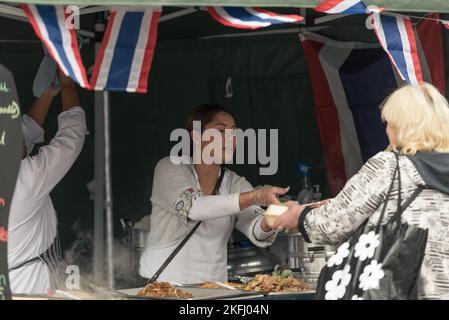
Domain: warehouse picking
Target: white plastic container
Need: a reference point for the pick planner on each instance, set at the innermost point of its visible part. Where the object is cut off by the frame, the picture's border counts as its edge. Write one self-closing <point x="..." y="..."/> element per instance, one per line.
<point x="273" y="212"/>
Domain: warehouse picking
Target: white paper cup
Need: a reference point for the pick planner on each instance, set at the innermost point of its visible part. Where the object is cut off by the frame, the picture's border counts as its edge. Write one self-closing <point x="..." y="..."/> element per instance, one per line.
<point x="273" y="212"/>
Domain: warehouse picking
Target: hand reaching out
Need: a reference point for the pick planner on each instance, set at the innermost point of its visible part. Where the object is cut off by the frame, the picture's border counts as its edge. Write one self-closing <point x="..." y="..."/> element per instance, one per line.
<point x="267" y="195"/>
<point x="289" y="219"/>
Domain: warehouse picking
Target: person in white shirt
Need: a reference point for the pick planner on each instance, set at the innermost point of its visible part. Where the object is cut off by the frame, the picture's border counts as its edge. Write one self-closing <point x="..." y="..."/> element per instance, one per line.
<point x="33" y="244"/>
<point x="184" y="194"/>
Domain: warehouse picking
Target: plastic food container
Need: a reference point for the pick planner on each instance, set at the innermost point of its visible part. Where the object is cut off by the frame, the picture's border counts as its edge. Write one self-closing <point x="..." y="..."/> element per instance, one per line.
<point x="273" y="212"/>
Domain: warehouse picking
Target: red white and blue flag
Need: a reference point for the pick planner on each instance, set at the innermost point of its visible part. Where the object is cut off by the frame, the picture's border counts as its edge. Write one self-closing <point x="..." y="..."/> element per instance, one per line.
<point x="397" y="38"/>
<point x="124" y="60"/>
<point x="349" y="81"/>
<point x="430" y="43"/>
<point x="344" y="7"/>
<point x="250" y="18"/>
<point x="49" y="24"/>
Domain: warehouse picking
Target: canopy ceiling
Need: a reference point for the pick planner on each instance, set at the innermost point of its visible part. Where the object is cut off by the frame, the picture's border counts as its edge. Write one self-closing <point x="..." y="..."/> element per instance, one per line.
<point x="392" y="5"/>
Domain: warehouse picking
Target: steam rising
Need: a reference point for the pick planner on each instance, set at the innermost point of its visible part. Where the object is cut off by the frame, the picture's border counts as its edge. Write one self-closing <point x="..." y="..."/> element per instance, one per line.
<point x="81" y="255"/>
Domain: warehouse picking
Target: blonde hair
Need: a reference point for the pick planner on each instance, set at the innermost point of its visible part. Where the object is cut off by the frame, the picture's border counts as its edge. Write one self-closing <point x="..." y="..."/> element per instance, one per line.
<point x="419" y="115"/>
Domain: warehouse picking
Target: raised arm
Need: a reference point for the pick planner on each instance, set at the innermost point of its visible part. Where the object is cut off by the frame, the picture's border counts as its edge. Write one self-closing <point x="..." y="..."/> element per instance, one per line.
<point x="69" y="95"/>
<point x="33" y="121"/>
<point x="53" y="161"/>
<point x="39" y="109"/>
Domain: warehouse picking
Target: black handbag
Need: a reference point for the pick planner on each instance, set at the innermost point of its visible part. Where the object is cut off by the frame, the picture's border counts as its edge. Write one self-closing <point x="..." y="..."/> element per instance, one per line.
<point x="380" y="262"/>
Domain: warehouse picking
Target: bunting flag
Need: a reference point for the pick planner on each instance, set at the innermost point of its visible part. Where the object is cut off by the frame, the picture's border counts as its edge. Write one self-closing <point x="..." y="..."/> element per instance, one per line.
<point x="349" y="81"/>
<point x="250" y="18"/>
<point x="397" y="38"/>
<point x="124" y="60"/>
<point x="49" y="24"/>
<point x="345" y="7"/>
<point x="431" y="51"/>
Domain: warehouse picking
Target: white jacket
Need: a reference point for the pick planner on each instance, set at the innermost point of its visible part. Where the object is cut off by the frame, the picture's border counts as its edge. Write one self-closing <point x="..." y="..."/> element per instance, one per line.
<point x="32" y="220"/>
<point x="204" y="256"/>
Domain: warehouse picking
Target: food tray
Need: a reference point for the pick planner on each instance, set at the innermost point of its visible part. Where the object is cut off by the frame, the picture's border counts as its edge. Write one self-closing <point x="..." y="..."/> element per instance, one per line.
<point x="198" y="293"/>
<point x="303" y="295"/>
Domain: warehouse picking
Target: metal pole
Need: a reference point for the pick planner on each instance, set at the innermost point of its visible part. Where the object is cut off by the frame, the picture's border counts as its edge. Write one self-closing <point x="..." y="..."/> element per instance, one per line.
<point x="108" y="185"/>
<point x="99" y="172"/>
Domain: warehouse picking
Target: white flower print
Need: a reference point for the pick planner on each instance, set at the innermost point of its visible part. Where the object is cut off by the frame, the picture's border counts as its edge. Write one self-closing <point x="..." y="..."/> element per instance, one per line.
<point x="336" y="287"/>
<point x="372" y="274"/>
<point x="356" y="297"/>
<point x="339" y="256"/>
<point x="366" y="246"/>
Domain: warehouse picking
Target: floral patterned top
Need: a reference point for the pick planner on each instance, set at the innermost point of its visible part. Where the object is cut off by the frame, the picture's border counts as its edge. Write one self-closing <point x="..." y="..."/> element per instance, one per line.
<point x="362" y="198"/>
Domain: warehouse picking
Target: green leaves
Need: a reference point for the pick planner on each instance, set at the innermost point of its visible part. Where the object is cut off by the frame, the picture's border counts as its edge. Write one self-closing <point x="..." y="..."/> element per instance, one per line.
<point x="282" y="273"/>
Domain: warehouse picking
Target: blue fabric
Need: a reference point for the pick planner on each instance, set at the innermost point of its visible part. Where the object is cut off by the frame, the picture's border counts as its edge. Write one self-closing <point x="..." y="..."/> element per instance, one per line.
<point x="394" y="43"/>
<point x="367" y="77"/>
<point x="48" y="15"/>
<point x="358" y="8"/>
<point x="244" y="15"/>
<point x="124" y="51"/>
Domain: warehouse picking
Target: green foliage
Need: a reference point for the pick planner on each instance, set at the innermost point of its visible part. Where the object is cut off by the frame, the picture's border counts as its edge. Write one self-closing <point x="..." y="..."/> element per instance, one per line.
<point x="283" y="273"/>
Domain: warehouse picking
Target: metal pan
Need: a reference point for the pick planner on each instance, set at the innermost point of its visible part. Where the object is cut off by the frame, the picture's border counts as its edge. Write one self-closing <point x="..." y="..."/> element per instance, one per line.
<point x="198" y="293"/>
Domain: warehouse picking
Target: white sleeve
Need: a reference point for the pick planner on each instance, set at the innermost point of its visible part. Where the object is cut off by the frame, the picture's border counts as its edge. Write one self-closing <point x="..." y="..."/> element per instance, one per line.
<point x="53" y="161"/>
<point x="258" y="233"/>
<point x="174" y="190"/>
<point x="249" y="219"/>
<point x="213" y="207"/>
<point x="32" y="133"/>
<point x="248" y="222"/>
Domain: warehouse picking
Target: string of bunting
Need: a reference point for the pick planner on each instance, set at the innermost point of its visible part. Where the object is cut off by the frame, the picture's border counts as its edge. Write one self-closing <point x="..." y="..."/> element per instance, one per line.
<point x="117" y="68"/>
<point x="394" y="32"/>
<point x="358" y="7"/>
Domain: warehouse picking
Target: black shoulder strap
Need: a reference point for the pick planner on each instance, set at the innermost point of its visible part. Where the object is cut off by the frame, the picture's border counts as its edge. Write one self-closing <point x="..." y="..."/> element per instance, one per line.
<point x="219" y="181"/>
<point x="415" y="194"/>
<point x="400" y="209"/>
<point x="184" y="241"/>
<point x="387" y="198"/>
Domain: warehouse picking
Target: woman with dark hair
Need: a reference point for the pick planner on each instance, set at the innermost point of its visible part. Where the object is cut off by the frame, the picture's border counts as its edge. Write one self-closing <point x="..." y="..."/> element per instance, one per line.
<point x="185" y="194"/>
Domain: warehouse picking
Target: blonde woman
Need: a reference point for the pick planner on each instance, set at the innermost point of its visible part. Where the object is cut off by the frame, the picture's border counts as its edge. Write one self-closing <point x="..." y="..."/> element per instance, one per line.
<point x="417" y="119"/>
